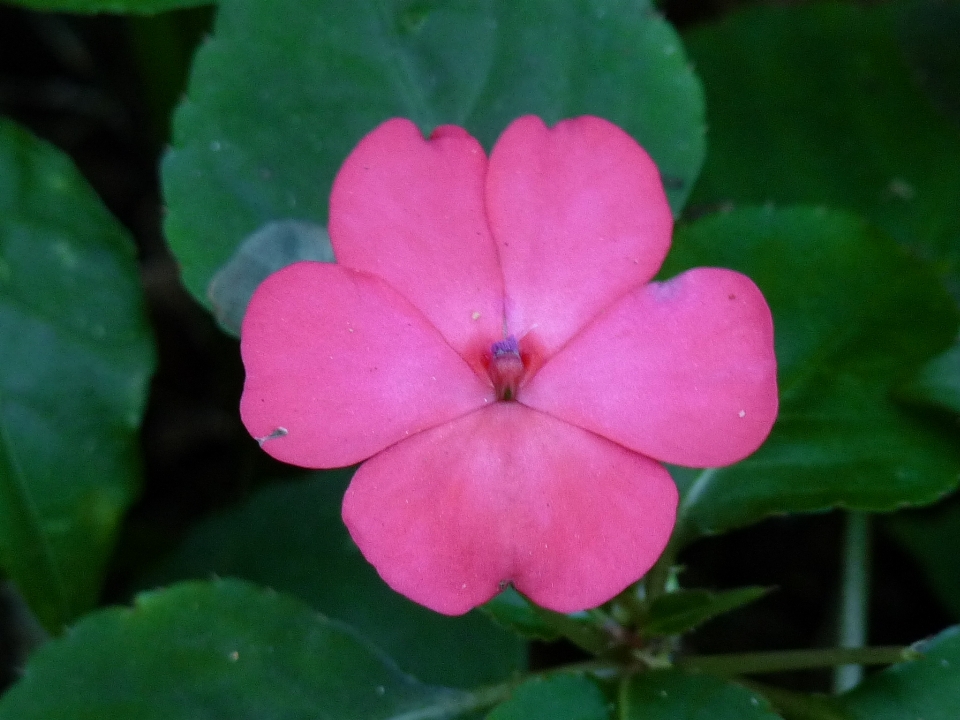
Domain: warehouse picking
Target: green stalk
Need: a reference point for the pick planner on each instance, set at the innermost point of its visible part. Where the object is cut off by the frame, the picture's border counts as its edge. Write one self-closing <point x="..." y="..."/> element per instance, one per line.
<point x="779" y="661"/>
<point x="854" y="597"/>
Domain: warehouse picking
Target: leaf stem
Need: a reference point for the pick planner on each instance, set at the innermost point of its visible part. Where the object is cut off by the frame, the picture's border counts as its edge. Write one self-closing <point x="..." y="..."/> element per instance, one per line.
<point x="781" y="660"/>
<point x="854" y="597"/>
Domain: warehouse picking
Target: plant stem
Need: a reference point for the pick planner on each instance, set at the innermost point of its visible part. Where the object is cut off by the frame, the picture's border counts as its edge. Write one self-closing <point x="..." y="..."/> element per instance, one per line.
<point x="854" y="597"/>
<point x="777" y="661"/>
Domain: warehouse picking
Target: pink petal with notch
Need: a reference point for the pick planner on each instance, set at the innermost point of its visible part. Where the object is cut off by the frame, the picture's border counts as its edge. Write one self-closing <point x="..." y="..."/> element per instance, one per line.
<point x="580" y="217"/>
<point x="683" y="371"/>
<point x="508" y="494"/>
<point x="339" y="366"/>
<point x="411" y="211"/>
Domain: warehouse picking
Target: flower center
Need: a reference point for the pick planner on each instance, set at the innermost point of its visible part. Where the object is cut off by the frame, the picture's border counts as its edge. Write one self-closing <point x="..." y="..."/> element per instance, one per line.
<point x="506" y="367"/>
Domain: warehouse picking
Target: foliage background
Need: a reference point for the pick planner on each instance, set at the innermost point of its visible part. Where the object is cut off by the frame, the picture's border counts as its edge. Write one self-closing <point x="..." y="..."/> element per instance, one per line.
<point x="103" y="88"/>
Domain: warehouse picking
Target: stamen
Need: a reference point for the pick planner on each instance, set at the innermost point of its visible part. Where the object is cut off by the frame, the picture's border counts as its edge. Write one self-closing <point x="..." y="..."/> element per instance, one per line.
<point x="507" y="346"/>
<point x="506" y="367"/>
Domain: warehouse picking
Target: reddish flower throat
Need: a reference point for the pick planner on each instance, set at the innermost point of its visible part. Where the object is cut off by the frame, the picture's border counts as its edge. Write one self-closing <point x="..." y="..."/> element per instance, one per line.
<point x="506" y="367"/>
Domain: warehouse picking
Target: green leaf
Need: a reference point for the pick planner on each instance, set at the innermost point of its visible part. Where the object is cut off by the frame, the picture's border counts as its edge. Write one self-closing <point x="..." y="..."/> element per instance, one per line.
<point x="927" y="689"/>
<point x="844" y="126"/>
<point x="138" y="7"/>
<point x="938" y="382"/>
<point x="570" y="697"/>
<point x="853" y="315"/>
<point x="285" y="89"/>
<point x="674" y="695"/>
<point x="272" y="247"/>
<point x="512" y="610"/>
<point x="290" y="537"/>
<point x="75" y="359"/>
<point x="216" y="650"/>
<point x="683" y="610"/>
<point x="932" y="535"/>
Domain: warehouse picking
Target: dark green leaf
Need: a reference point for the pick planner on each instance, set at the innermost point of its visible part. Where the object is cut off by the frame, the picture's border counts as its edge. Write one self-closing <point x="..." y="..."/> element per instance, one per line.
<point x="932" y="535"/>
<point x="566" y="697"/>
<point x="853" y="316"/>
<point x="219" y="650"/>
<point x="272" y="247"/>
<point x="674" y="695"/>
<point x="683" y="610"/>
<point x="513" y="611"/>
<point x="75" y="360"/>
<point x="816" y="104"/>
<point x="139" y="7"/>
<point x="285" y="89"/>
<point x="938" y="382"/>
<point x="925" y="689"/>
<point x="290" y="537"/>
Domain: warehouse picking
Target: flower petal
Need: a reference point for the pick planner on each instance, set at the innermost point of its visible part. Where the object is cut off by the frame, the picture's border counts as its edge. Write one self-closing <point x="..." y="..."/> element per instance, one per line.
<point x="340" y="366"/>
<point x="580" y="217"/>
<point x="683" y="371"/>
<point x="411" y="211"/>
<point x="507" y="494"/>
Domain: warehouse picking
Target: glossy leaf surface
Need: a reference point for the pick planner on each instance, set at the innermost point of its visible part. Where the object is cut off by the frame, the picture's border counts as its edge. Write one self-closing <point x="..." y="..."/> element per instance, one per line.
<point x="285" y="89"/>
<point x="673" y="695"/>
<point x="76" y="355"/>
<point x="571" y="697"/>
<point x="216" y="650"/>
<point x="290" y="537"/>
<point x="853" y="315"/>
<point x="817" y="104"/>
<point x="927" y="688"/>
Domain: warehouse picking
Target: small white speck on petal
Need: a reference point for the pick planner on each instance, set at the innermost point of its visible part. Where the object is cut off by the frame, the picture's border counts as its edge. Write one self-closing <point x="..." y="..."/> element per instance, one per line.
<point x="476" y="315"/>
<point x="742" y="413"/>
<point x="277" y="433"/>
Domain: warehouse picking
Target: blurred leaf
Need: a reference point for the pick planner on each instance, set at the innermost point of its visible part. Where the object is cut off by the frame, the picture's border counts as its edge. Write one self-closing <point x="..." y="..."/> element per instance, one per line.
<point x="925" y="689"/>
<point x="512" y="610"/>
<point x="933" y="536"/>
<point x="928" y="31"/>
<point x="75" y="360"/>
<point x="683" y="610"/>
<point x="285" y="89"/>
<point x="272" y="247"/>
<point x="853" y="315"/>
<point x="290" y="537"/>
<point x="215" y="650"/>
<point x="938" y="382"/>
<point x="139" y="7"/>
<point x="816" y="104"/>
<point x="561" y="697"/>
<point x="674" y="695"/>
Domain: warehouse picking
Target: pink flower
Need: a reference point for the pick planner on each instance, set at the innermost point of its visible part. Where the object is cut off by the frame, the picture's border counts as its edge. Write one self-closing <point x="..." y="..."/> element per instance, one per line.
<point x="490" y="344"/>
